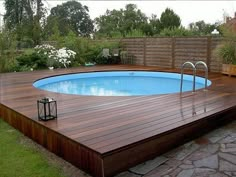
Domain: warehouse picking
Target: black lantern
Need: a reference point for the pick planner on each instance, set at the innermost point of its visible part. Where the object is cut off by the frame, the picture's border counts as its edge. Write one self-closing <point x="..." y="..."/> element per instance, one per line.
<point x="47" y="109"/>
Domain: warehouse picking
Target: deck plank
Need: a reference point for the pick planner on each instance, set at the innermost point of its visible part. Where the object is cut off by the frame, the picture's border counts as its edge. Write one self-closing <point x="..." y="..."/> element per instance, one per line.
<point x="96" y="126"/>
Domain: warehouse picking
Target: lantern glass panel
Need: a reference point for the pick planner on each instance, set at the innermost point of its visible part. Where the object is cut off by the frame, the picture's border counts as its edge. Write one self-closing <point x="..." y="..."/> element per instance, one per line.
<point x="47" y="109"/>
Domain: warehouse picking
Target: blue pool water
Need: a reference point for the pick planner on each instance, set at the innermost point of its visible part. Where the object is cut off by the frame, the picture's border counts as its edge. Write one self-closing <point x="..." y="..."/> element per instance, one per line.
<point x="119" y="83"/>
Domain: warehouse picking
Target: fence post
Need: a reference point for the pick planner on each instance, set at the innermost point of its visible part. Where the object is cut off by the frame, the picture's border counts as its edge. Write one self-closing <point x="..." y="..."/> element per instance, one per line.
<point x="144" y="51"/>
<point x="208" y="62"/>
<point x="173" y="52"/>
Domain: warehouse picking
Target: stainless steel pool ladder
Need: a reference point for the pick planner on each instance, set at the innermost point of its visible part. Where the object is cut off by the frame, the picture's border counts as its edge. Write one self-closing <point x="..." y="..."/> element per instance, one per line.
<point x="194" y="73"/>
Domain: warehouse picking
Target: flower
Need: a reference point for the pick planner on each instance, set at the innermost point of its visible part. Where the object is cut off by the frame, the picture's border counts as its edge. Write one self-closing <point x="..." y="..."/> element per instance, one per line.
<point x="63" y="56"/>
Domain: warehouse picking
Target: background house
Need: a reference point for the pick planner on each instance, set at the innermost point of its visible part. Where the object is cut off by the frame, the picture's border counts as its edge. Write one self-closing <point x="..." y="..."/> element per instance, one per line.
<point x="231" y="22"/>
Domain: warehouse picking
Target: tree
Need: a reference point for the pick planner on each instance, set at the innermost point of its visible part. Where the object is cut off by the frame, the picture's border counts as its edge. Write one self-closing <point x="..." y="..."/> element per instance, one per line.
<point x="22" y="16"/>
<point x="202" y="28"/>
<point x="133" y="18"/>
<point x="155" y="24"/>
<point x="147" y="29"/>
<point x="51" y="29"/>
<point x="123" y="21"/>
<point x="169" y="19"/>
<point x="180" y="31"/>
<point x="110" y="23"/>
<point x="72" y="16"/>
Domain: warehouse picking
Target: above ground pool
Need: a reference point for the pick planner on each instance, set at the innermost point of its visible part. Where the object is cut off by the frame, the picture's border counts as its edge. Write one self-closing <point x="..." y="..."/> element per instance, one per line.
<point x="119" y="83"/>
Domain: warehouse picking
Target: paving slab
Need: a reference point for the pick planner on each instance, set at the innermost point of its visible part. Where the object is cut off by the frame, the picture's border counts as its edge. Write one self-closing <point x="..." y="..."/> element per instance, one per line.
<point x="229" y="157"/>
<point x="210" y="162"/>
<point x="186" y="173"/>
<point x="203" y="171"/>
<point x="212" y="155"/>
<point x="148" y="166"/>
<point x="227" y="166"/>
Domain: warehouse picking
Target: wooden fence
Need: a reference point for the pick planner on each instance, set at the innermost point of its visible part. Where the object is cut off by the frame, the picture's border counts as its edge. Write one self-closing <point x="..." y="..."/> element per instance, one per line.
<point x="172" y="52"/>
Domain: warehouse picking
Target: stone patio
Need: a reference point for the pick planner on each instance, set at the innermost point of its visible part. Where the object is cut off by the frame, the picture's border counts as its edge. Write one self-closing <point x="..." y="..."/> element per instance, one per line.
<point x="212" y="155"/>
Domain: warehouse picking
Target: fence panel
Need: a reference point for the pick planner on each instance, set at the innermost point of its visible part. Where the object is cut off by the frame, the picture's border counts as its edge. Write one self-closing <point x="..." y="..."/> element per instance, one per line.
<point x="215" y="63"/>
<point x="172" y="52"/>
<point x="135" y="47"/>
<point x="158" y="52"/>
<point x="190" y="49"/>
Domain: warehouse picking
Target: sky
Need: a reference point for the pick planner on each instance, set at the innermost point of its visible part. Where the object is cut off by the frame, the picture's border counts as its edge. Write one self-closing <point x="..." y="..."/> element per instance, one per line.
<point x="188" y="11"/>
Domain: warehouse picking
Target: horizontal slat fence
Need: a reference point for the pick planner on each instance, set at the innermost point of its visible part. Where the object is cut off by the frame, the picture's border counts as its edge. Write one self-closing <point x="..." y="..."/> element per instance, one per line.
<point x="172" y="52"/>
<point x="135" y="47"/>
<point x="158" y="52"/>
<point x="215" y="63"/>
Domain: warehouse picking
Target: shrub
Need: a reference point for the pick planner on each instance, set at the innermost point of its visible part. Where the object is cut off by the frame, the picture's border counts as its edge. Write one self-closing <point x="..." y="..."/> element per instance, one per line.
<point x="227" y="52"/>
<point x="181" y="31"/>
<point x="34" y="60"/>
<point x="8" y="63"/>
<point x="25" y="43"/>
<point x="91" y="50"/>
<point x="62" y="57"/>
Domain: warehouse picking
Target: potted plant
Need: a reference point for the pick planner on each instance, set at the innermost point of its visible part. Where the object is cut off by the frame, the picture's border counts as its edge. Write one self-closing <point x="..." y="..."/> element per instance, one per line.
<point x="226" y="51"/>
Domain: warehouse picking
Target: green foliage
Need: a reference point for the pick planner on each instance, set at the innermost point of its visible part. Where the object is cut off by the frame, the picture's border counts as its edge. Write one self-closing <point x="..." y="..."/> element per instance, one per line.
<point x="131" y="22"/>
<point x="22" y="16"/>
<point x="147" y="29"/>
<point x="133" y="18"/>
<point x="70" y="40"/>
<point x="155" y="25"/>
<point x="169" y="19"/>
<point x="202" y="28"/>
<point x="228" y="33"/>
<point x="110" y="23"/>
<point x="25" y="43"/>
<point x="175" y="32"/>
<point x="71" y="15"/>
<point x="51" y="29"/>
<point x="87" y="50"/>
<point x="135" y="33"/>
<point x="7" y="41"/>
<point x="124" y="21"/>
<point x="34" y="60"/>
<point x="8" y="63"/>
<point x="20" y="158"/>
<point x="36" y="33"/>
<point x="227" y="52"/>
<point x="91" y="51"/>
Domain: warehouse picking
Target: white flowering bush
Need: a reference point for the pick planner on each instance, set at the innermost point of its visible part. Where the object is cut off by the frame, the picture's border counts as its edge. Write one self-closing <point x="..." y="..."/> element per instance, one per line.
<point x="61" y="56"/>
<point x="46" y="48"/>
<point x="64" y="55"/>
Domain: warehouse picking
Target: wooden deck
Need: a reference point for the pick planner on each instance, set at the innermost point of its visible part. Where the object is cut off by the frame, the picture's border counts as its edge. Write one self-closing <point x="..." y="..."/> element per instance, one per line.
<point x="105" y="135"/>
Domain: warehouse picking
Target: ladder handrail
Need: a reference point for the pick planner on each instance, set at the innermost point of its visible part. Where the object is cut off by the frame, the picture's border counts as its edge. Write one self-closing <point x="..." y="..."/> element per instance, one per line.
<point x="206" y="70"/>
<point x="194" y="73"/>
<point x="182" y="73"/>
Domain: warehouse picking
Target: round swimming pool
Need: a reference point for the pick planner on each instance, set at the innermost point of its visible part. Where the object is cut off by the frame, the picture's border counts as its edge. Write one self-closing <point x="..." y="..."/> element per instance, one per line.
<point x="119" y="83"/>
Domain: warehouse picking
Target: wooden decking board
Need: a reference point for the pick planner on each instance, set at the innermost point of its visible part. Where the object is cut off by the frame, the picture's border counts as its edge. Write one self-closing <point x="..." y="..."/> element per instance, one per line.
<point x="156" y="127"/>
<point x="118" y="116"/>
<point x="142" y="125"/>
<point x="143" y="136"/>
<point x="149" y="112"/>
<point x="102" y="111"/>
<point x="92" y="130"/>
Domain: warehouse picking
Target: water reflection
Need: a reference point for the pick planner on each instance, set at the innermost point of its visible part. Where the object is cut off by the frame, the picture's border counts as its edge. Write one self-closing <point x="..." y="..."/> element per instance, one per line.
<point x="119" y="86"/>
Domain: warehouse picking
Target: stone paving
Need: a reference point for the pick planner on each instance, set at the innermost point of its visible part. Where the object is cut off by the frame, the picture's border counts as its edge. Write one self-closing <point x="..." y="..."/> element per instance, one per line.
<point x="212" y="155"/>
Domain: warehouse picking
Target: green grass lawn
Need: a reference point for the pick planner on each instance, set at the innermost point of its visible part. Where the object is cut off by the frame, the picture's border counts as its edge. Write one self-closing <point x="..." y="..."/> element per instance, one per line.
<point x="17" y="159"/>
